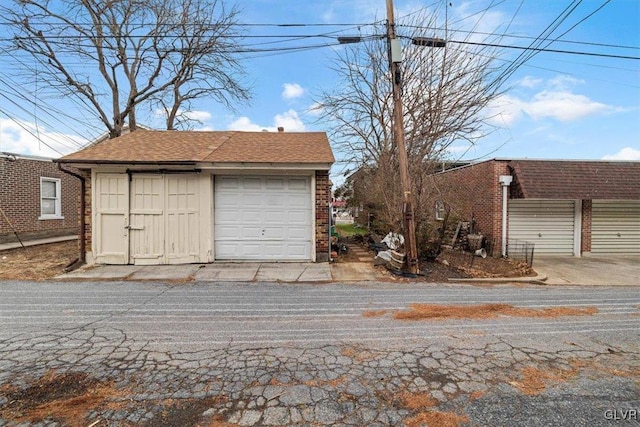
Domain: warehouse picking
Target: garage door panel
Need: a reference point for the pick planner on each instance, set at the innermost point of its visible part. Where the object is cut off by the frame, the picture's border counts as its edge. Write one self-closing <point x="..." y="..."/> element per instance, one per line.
<point x="549" y="224"/>
<point x="275" y="184"/>
<point x="251" y="201"/>
<point x="299" y="184"/>
<point x="275" y="216"/>
<point x="227" y="182"/>
<point x="249" y="216"/>
<point x="615" y="227"/>
<point x="297" y="233"/>
<point x="271" y="233"/>
<point x="276" y="200"/>
<point x="275" y="250"/>
<point x="273" y="223"/>
<point x="298" y="251"/>
<point x="297" y="201"/>
<point x="249" y="233"/>
<point x="299" y="218"/>
<point x="249" y="183"/>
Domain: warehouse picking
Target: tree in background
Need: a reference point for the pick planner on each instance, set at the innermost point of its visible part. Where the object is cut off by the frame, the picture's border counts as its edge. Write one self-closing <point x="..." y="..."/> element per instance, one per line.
<point x="118" y="55"/>
<point x="445" y="95"/>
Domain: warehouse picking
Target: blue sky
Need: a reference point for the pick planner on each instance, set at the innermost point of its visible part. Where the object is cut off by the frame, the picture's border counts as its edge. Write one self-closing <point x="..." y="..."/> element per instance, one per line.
<point x="558" y="106"/>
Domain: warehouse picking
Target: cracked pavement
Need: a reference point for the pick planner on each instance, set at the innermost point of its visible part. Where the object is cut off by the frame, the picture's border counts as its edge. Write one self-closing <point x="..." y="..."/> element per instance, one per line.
<point x="277" y="354"/>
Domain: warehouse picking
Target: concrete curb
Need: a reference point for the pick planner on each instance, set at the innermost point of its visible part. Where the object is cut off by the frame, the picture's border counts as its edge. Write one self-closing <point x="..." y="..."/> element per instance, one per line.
<point x="540" y="279"/>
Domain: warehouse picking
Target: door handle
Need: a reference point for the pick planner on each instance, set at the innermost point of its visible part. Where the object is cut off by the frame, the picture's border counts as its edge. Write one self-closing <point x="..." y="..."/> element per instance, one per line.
<point x="134" y="227"/>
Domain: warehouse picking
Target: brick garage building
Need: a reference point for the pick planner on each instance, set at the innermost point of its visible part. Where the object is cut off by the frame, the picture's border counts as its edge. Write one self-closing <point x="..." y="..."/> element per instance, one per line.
<point x="37" y="199"/>
<point x="564" y="207"/>
<point x="176" y="197"/>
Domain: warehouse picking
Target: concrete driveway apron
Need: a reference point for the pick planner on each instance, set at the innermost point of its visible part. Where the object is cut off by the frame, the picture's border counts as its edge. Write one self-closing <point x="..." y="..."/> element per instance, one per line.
<point x="604" y="271"/>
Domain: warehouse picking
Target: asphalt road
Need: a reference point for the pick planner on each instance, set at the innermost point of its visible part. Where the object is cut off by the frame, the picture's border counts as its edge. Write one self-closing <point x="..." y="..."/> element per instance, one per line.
<point x="198" y="315"/>
<point x="334" y="340"/>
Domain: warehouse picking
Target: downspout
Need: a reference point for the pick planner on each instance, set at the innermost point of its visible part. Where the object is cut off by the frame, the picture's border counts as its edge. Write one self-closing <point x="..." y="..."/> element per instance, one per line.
<point x="82" y="258"/>
<point x="505" y="181"/>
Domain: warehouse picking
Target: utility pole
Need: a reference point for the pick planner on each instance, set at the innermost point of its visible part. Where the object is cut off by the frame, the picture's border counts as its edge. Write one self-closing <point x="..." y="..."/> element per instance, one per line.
<point x="409" y="224"/>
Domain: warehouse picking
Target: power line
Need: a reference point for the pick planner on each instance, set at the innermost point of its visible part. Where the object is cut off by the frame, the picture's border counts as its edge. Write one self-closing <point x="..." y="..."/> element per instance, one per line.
<point x="534" y="49"/>
<point x="503" y="35"/>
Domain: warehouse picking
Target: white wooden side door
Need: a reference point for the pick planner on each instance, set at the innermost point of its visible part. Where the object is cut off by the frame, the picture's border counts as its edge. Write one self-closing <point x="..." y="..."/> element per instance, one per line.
<point x="183" y="219"/>
<point x="146" y="220"/>
<point x="111" y="236"/>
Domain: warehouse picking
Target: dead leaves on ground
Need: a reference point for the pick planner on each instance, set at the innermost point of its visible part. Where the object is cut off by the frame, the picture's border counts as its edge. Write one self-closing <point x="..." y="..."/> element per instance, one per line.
<point x="479" y="311"/>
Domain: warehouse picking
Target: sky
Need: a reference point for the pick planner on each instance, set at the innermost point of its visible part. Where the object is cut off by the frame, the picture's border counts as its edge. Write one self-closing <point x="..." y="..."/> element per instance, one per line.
<point x="557" y="105"/>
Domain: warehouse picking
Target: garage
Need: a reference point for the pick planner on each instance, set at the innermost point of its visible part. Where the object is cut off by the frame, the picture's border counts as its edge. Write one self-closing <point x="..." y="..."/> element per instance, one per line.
<point x="178" y="197"/>
<point x="549" y="224"/>
<point x="615" y="227"/>
<point x="263" y="218"/>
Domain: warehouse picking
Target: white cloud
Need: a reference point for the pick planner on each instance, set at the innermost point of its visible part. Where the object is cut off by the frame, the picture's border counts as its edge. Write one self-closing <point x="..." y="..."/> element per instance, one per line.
<point x="22" y="137"/>
<point x="289" y="120"/>
<point x="200" y="116"/>
<point x="555" y="101"/>
<point x="626" y="153"/>
<point x="562" y="106"/>
<point x="245" y="123"/>
<point x="529" y="82"/>
<point x="292" y="91"/>
<point x="504" y="110"/>
<point x="564" y="82"/>
<point x="196" y="115"/>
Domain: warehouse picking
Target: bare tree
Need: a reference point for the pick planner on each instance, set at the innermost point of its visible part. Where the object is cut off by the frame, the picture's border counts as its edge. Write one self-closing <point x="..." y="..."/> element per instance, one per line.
<point x="117" y="55"/>
<point x="445" y="95"/>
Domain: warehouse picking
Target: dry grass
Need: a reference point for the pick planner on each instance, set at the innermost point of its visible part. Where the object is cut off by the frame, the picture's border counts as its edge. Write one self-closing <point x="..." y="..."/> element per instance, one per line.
<point x="374" y="313"/>
<point x="356" y="353"/>
<point x="485" y="311"/>
<point x="332" y="383"/>
<point x="416" y="400"/>
<point x="534" y="381"/>
<point x="64" y="397"/>
<point x="476" y="395"/>
<point x="40" y="262"/>
<point x="435" y="419"/>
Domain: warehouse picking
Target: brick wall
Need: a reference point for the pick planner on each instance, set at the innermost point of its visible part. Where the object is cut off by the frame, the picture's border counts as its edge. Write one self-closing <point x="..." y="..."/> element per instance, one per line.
<point x="323" y="199"/>
<point x="20" y="199"/>
<point x="474" y="192"/>
<point x="585" y="240"/>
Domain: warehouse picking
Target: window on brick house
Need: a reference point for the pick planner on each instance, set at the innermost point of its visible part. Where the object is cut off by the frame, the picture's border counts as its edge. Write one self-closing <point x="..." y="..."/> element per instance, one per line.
<point x="50" y="202"/>
<point x="440" y="210"/>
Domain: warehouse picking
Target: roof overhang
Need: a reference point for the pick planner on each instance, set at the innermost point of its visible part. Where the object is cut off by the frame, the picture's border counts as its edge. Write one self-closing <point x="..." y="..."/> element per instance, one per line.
<point x="90" y="164"/>
<point x="263" y="166"/>
<point x="83" y="164"/>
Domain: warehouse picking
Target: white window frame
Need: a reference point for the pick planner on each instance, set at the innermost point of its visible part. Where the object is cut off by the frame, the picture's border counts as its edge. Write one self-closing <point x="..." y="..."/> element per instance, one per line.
<point x="440" y="211"/>
<point x="57" y="200"/>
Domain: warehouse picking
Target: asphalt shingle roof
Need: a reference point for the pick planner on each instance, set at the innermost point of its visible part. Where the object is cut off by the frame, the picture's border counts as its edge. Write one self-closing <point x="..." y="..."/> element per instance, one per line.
<point x="577" y="179"/>
<point x="149" y="146"/>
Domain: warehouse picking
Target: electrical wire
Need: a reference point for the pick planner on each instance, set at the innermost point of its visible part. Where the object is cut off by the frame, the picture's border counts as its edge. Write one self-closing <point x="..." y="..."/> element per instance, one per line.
<point x="256" y="49"/>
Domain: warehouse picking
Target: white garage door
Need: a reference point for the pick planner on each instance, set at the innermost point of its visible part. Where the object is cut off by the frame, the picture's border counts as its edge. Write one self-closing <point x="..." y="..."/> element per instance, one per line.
<point x="615" y="227"/>
<point x="549" y="224"/>
<point x="262" y="218"/>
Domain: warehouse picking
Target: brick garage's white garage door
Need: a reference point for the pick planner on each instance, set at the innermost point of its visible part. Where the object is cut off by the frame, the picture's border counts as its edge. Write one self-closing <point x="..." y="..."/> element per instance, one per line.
<point x="549" y="224"/>
<point x="262" y="218"/>
<point x="615" y="227"/>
